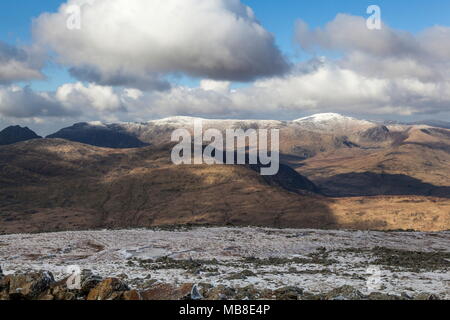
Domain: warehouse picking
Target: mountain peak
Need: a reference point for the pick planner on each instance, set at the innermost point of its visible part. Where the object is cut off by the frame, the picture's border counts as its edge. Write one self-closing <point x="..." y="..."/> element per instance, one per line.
<point x="322" y="117"/>
<point x="14" y="134"/>
<point x="99" y="135"/>
<point x="333" y="122"/>
<point x="177" y="119"/>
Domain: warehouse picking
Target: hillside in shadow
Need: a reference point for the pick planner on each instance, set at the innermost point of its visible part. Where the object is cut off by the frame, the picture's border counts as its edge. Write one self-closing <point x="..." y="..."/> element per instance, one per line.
<point x="372" y="184"/>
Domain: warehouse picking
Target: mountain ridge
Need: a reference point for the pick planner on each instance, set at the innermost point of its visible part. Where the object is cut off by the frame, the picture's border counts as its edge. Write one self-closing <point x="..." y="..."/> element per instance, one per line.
<point x="51" y="185"/>
<point x="14" y="134"/>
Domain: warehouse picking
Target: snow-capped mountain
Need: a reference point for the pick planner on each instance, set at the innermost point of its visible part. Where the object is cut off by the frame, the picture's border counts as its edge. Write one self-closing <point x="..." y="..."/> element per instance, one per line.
<point x="324" y="131"/>
<point x="333" y="122"/>
<point x="325" y="122"/>
<point x="217" y="123"/>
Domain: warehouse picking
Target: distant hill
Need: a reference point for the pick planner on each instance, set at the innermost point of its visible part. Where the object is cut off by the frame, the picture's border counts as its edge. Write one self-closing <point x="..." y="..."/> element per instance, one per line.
<point x="98" y="135"/>
<point x="55" y="185"/>
<point x="431" y="123"/>
<point x="16" y="134"/>
<point x="435" y="123"/>
<point x="342" y="156"/>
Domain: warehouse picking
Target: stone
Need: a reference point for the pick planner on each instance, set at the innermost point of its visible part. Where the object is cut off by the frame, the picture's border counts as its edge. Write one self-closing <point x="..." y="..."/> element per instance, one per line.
<point x="249" y="292"/>
<point x="58" y="291"/>
<point x="195" y="293"/>
<point x="108" y="289"/>
<point x="132" y="295"/>
<point x="384" y="297"/>
<point x="426" y="297"/>
<point x="89" y="281"/>
<point x="288" y="293"/>
<point x="344" y="293"/>
<point x="168" y="292"/>
<point x="2" y="283"/>
<point x="219" y="293"/>
<point x="27" y="287"/>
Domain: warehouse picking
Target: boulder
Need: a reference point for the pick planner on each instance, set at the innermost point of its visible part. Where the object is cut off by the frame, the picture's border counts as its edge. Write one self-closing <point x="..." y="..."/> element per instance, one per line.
<point x="59" y="291"/>
<point x="108" y="289"/>
<point x="26" y="286"/>
<point x="426" y="297"/>
<point x="247" y="293"/>
<point x="219" y="293"/>
<point x="385" y="297"/>
<point x="168" y="292"/>
<point x="288" y="293"/>
<point x="88" y="281"/>
<point x="344" y="293"/>
<point x="132" y="295"/>
<point x="195" y="293"/>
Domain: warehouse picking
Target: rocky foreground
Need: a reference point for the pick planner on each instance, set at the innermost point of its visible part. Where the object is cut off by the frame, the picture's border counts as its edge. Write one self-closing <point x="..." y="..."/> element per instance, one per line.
<point x="42" y="286"/>
<point x="226" y="263"/>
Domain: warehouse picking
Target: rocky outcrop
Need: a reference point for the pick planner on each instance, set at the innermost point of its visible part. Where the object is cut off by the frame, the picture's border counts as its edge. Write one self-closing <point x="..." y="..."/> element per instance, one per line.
<point x="42" y="286"/>
<point x="167" y="292"/>
<point x="59" y="291"/>
<point x="376" y="134"/>
<point x="109" y="289"/>
<point x="89" y="281"/>
<point x="25" y="286"/>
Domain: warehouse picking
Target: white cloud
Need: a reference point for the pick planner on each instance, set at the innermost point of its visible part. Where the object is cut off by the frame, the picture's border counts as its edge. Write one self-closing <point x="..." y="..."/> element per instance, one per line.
<point x="385" y="53"/>
<point x="314" y="87"/>
<point x="319" y="86"/>
<point x="386" y="73"/>
<point x="134" y="94"/>
<point x="218" y="86"/>
<point x="99" y="98"/>
<point x="25" y="103"/>
<point x="19" y="64"/>
<point x="350" y="33"/>
<point x="135" y="42"/>
<point x="69" y="100"/>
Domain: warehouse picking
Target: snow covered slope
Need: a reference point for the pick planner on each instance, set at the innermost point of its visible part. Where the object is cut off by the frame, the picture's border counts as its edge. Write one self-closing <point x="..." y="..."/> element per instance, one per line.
<point x="317" y="261"/>
<point x="333" y="122"/>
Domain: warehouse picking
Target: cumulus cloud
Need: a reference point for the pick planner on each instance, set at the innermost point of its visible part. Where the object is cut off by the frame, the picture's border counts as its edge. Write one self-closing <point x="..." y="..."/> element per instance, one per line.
<point x="25" y="103"/>
<point x="19" y="64"/>
<point x="385" y="53"/>
<point x="139" y="79"/>
<point x="379" y="73"/>
<point x="69" y="100"/>
<point x="218" y="86"/>
<point x="134" y="42"/>
<point x="98" y="98"/>
<point x="314" y="87"/>
<point x="349" y="33"/>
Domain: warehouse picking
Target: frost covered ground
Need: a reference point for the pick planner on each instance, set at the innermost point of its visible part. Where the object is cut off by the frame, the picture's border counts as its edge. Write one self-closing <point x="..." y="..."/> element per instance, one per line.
<point x="316" y="261"/>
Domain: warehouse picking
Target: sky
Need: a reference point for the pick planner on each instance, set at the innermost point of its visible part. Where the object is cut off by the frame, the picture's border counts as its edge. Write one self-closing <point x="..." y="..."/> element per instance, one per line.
<point x="139" y="60"/>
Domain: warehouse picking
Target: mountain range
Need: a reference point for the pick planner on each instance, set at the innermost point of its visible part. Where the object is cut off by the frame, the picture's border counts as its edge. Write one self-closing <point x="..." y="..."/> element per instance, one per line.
<point x="337" y="172"/>
<point x="342" y="155"/>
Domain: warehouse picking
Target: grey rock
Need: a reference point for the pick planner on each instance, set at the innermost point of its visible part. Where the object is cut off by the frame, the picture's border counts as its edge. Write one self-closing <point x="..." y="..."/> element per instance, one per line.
<point x="195" y="293"/>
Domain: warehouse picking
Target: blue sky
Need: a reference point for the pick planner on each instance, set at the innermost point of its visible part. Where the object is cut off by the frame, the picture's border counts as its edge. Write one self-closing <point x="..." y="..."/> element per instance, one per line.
<point x="410" y="15"/>
<point x="277" y="17"/>
<point x="170" y="67"/>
